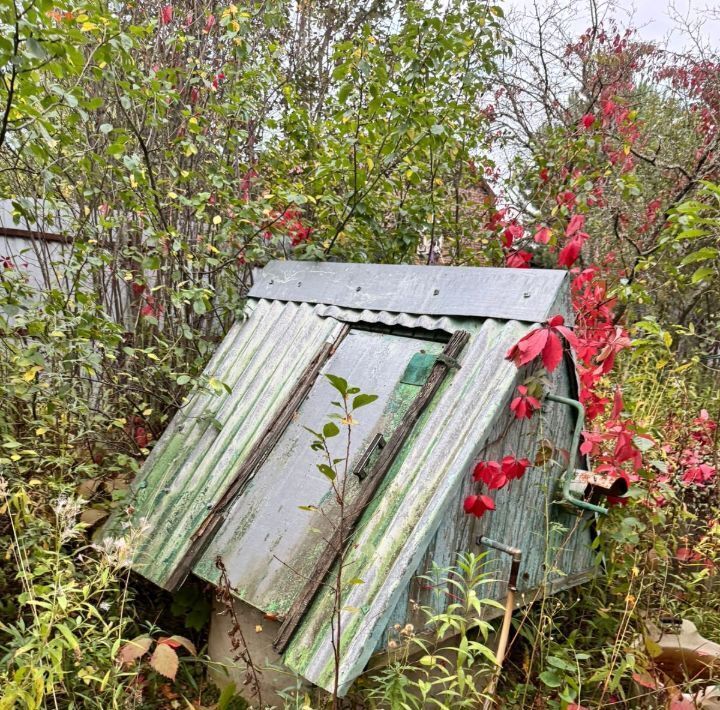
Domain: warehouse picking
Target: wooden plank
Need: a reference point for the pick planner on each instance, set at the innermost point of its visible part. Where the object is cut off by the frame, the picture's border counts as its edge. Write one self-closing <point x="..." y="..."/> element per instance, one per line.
<point x="30" y="234"/>
<point x="40" y="229"/>
<point x="528" y="295"/>
<point x="370" y="485"/>
<point x="207" y="529"/>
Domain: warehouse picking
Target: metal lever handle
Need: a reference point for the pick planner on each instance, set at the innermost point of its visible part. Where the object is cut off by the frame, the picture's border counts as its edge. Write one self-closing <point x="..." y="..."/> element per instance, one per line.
<point x="378" y="443"/>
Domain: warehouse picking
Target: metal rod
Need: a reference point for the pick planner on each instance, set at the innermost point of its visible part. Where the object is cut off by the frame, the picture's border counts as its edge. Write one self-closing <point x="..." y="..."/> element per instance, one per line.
<point x="514" y="552"/>
<point x="501" y="649"/>
<point x="570" y="471"/>
<point x="516" y="555"/>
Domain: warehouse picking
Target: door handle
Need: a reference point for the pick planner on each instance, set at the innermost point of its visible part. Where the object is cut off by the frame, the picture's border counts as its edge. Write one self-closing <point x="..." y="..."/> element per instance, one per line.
<point x="377" y="443"/>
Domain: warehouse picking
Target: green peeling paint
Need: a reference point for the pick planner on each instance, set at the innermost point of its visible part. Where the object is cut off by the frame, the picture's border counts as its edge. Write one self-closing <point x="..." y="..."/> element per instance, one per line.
<point x="418" y="369"/>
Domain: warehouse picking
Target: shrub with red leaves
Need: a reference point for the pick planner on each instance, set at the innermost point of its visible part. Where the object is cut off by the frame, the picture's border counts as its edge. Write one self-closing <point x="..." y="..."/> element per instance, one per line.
<point x="166" y="14"/>
<point x="518" y="259"/>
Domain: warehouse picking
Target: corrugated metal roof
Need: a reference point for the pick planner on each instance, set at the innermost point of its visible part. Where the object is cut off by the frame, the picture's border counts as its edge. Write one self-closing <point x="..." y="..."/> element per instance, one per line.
<point x="207" y="441"/>
<point x="196" y="458"/>
<point x="556" y="544"/>
<point x="392" y="320"/>
<point x="530" y="295"/>
<point x="408" y="509"/>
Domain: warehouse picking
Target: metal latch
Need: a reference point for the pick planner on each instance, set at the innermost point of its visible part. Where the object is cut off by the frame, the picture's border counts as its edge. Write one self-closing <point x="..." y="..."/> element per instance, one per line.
<point x="450" y="362"/>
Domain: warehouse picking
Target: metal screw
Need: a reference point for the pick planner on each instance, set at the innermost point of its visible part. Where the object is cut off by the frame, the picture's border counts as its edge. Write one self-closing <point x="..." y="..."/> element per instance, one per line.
<point x="436" y="292"/>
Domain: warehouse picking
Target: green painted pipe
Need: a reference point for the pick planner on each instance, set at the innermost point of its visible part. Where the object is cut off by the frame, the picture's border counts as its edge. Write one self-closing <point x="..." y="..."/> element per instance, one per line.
<point x="570" y="472"/>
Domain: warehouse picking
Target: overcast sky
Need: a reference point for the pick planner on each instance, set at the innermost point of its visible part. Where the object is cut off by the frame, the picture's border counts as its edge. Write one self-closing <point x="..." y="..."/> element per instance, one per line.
<point x="657" y="19"/>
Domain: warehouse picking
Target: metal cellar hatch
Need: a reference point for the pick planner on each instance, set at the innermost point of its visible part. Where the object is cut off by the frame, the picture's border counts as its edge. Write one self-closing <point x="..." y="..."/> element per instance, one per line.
<point x="230" y="472"/>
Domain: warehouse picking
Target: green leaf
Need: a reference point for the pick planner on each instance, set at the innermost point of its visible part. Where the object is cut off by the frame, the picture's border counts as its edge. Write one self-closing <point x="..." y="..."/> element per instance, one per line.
<point x="659" y="465"/>
<point x="341" y="71"/>
<point x="227" y="695"/>
<point x="106" y="128"/>
<point x="561" y="663"/>
<point x="63" y="629"/>
<point x="362" y="399"/>
<point x="183" y="379"/>
<point x="35" y="48"/>
<point x="551" y="679"/>
<point x="344" y="92"/>
<point x="642" y="443"/>
<point x="339" y="383"/>
<point x="330" y="429"/>
<point x="117" y="147"/>
<point x="701" y="274"/>
<point x="691" y="234"/>
<point x="700" y="255"/>
<point x="326" y="471"/>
